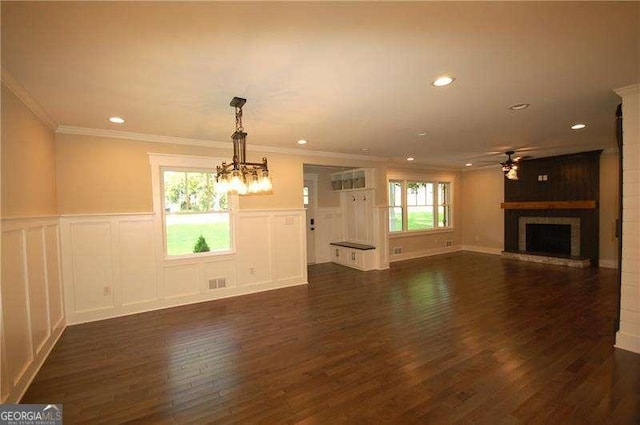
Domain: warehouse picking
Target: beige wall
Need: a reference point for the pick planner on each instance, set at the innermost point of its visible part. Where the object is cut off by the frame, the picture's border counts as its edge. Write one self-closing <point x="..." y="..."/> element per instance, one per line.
<point x="28" y="161"/>
<point x="609" y="199"/>
<point x="110" y="175"/>
<point x="482" y="217"/>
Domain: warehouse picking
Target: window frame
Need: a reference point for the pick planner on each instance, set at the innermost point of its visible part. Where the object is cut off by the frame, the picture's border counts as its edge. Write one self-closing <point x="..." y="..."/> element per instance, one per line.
<point x="185" y="163"/>
<point x="402" y="206"/>
<point x="435" y="205"/>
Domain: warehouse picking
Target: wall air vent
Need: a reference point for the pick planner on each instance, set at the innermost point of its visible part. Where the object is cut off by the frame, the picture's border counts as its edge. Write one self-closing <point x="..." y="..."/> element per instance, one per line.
<point x="218" y="282"/>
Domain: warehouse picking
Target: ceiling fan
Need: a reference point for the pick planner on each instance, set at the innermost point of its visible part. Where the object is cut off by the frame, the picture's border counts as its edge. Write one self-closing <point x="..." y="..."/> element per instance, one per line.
<point x="510" y="166"/>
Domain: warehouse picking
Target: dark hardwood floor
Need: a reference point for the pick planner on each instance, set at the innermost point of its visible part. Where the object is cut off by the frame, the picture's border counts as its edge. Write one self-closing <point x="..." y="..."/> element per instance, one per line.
<point x="461" y="338"/>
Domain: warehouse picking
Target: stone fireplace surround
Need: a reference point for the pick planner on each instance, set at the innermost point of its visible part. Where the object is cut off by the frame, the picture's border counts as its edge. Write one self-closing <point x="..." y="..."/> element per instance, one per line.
<point x="574" y="222"/>
<point x="574" y="261"/>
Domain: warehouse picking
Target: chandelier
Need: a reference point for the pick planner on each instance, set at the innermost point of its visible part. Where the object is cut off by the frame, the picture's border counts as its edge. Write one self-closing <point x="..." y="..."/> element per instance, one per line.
<point x="510" y="167"/>
<point x="239" y="176"/>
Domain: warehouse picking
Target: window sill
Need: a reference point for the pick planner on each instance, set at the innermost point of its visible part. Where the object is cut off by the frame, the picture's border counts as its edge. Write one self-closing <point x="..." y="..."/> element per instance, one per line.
<point x="203" y="256"/>
<point x="409" y="233"/>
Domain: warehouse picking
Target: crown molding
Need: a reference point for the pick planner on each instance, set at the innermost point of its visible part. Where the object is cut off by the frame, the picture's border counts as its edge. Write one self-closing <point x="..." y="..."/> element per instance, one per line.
<point x="141" y="137"/>
<point x="154" y="138"/>
<point x="21" y="93"/>
<point x="396" y="165"/>
<point x="633" y="89"/>
<point x="324" y="154"/>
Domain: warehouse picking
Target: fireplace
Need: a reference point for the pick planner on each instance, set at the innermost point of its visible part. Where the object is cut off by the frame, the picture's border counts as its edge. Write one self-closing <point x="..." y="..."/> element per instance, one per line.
<point x="549" y="238"/>
<point x="558" y="190"/>
<point x="558" y="236"/>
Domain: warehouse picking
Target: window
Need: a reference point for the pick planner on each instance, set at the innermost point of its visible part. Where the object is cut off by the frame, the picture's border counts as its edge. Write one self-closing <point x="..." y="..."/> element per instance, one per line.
<point x="418" y="205"/>
<point x="395" y="206"/>
<point x="196" y="218"/>
<point x="443" y="205"/>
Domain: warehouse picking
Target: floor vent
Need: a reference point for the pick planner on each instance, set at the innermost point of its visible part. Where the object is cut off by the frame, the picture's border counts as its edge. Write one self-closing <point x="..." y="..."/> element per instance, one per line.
<point x="219" y="282"/>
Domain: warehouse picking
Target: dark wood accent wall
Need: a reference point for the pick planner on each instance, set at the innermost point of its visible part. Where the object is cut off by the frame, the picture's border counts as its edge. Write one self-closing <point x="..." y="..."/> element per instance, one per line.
<point x="574" y="177"/>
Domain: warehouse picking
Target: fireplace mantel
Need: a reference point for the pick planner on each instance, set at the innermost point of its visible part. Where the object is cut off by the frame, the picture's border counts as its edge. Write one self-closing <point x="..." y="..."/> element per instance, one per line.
<point x="549" y="205"/>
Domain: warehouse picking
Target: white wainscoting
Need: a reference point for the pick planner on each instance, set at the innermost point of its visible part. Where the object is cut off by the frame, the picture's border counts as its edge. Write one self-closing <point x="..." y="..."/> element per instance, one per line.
<point x="114" y="265"/>
<point x="32" y="306"/>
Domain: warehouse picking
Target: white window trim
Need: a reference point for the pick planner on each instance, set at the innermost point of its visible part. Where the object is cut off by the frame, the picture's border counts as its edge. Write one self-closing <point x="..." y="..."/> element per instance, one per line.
<point x="313" y="195"/>
<point x="420" y="179"/>
<point x="158" y="163"/>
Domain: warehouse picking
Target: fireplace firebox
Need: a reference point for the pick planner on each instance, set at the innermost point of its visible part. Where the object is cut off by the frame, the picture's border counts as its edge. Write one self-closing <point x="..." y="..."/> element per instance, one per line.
<point x="549" y="238"/>
<point x="549" y="235"/>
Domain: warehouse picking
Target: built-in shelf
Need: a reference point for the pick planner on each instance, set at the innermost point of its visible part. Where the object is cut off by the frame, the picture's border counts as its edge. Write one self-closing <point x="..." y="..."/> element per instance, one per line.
<point x="550" y="205"/>
<point x="361" y="178"/>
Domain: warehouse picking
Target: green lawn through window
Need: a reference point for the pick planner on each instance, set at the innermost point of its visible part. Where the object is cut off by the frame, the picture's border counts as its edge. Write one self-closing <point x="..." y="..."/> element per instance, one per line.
<point x="181" y="237"/>
<point x="417" y="220"/>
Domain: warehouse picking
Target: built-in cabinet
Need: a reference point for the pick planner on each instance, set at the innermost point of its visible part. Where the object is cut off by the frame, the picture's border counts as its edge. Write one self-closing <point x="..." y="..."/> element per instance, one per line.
<point x="360" y="178"/>
<point x="357" y="202"/>
<point x="358" y="213"/>
<point x="361" y="259"/>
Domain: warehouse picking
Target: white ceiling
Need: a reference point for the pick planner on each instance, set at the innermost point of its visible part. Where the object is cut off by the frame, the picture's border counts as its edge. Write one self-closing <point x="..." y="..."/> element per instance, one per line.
<point x="341" y="75"/>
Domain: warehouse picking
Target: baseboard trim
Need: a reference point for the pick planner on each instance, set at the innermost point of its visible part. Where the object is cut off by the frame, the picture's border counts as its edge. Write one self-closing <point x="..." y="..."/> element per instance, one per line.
<point x="164" y="303"/>
<point x="482" y="249"/>
<point x="608" y="264"/>
<point x="628" y="342"/>
<point x="422" y="253"/>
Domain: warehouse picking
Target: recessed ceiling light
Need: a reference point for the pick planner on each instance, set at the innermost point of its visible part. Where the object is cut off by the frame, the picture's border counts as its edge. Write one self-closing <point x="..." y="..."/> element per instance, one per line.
<point x="578" y="126"/>
<point x="365" y="149"/>
<point x="518" y="106"/>
<point x="468" y="164"/>
<point x="445" y="80"/>
<point x="410" y="158"/>
<point x="422" y="133"/>
<point x="117" y="120"/>
<point x="302" y="142"/>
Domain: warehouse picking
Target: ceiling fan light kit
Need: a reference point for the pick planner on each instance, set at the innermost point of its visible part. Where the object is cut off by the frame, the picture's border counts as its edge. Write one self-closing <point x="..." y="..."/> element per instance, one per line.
<point x="510" y="166"/>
